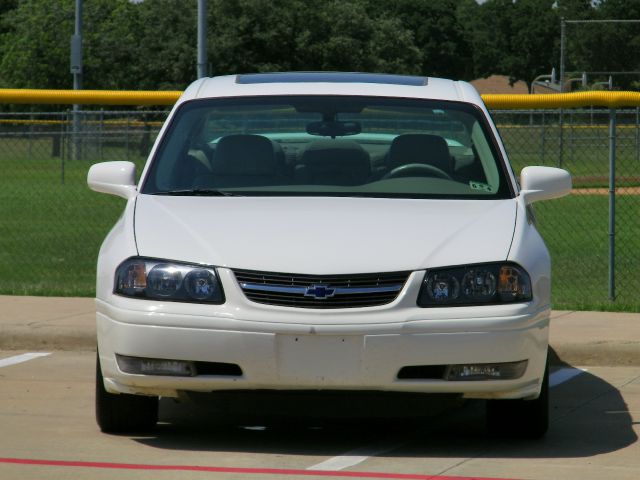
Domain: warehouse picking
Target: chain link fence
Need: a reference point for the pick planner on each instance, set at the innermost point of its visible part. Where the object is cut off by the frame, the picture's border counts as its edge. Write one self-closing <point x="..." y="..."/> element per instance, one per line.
<point x="52" y="224"/>
<point x="587" y="273"/>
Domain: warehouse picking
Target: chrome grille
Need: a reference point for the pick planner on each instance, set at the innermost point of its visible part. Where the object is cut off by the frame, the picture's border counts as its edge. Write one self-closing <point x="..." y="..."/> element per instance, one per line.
<point x="321" y="291"/>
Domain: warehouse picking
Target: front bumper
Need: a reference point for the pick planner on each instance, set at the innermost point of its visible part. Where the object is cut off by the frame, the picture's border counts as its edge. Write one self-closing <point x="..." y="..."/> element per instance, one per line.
<point x="297" y="349"/>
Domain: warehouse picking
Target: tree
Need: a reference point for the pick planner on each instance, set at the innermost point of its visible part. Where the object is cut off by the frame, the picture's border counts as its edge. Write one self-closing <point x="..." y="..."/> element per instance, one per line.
<point x="152" y="44"/>
<point x="505" y="40"/>
<point x="166" y="50"/>
<point x="604" y="47"/>
<point x="259" y="35"/>
<point x="436" y="32"/>
<point x="35" y="43"/>
<point x="125" y="45"/>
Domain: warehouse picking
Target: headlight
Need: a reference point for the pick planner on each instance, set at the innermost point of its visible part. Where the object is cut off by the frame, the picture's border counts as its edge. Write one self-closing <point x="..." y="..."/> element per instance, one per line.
<point x="475" y="285"/>
<point x="163" y="280"/>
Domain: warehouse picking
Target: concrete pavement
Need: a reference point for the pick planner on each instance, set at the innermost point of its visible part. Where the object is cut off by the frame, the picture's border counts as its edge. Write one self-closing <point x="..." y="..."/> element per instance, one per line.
<point x="47" y="323"/>
<point x="49" y="433"/>
<point x="596" y="338"/>
<point x="57" y="323"/>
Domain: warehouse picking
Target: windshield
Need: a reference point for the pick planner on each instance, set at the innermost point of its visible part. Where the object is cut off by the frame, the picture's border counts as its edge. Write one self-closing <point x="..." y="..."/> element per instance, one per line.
<point x="328" y="146"/>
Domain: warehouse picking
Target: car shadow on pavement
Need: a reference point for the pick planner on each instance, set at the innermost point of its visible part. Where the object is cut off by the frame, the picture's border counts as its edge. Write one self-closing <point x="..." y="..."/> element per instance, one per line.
<point x="588" y="417"/>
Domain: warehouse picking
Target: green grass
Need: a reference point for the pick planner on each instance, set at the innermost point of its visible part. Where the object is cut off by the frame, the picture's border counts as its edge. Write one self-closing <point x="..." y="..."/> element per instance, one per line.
<point x="50" y="231"/>
<point x="575" y="229"/>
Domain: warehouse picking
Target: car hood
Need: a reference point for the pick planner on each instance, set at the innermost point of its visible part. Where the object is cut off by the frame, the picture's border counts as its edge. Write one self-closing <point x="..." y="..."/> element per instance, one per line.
<point x="323" y="235"/>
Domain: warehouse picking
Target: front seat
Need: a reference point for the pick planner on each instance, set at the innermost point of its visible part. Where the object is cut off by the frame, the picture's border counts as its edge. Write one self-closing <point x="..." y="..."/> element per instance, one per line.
<point x="420" y="148"/>
<point x="245" y="160"/>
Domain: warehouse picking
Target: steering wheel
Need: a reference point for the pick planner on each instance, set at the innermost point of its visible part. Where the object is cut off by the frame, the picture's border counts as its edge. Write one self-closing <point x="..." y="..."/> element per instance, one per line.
<point x="417" y="170"/>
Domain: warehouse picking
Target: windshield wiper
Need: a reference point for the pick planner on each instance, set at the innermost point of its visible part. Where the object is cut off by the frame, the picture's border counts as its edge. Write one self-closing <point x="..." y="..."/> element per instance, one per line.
<point x="196" y="192"/>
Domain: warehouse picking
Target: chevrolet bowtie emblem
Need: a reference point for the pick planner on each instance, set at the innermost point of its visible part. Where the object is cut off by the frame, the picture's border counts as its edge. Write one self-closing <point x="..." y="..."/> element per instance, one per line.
<point x="319" y="292"/>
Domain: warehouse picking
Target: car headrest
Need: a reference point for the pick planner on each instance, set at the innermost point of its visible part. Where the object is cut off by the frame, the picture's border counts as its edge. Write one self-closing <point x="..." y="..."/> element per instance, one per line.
<point x="245" y="155"/>
<point x="341" y="162"/>
<point x="420" y="148"/>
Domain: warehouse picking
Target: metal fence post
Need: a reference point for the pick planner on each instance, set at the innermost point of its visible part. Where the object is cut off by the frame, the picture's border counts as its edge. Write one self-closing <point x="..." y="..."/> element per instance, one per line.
<point x="30" y="153"/>
<point x="560" y="124"/>
<point x="543" y="136"/>
<point x="101" y="136"/>
<point x="612" y="203"/>
<point x="571" y="124"/>
<point x="76" y="141"/>
<point x="127" y="137"/>
<point x="637" y="134"/>
<point x="63" y="139"/>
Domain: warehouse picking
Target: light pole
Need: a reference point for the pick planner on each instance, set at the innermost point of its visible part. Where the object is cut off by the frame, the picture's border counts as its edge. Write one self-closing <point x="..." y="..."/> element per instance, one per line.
<point x="563" y="24"/>
<point x="202" y="38"/>
<point x="76" y="49"/>
<point x="76" y="71"/>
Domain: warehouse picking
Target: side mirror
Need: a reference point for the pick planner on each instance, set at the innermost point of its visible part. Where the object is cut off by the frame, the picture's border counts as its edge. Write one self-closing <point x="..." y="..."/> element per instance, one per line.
<point x="115" y="178"/>
<point x="543" y="183"/>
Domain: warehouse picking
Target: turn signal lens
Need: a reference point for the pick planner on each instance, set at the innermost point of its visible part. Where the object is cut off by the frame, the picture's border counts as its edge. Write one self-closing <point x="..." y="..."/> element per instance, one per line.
<point x="131" y="278"/>
<point x="513" y="284"/>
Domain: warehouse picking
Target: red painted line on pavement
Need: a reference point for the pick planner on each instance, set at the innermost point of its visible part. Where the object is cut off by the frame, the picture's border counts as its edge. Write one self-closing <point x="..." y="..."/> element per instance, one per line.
<point x="239" y="470"/>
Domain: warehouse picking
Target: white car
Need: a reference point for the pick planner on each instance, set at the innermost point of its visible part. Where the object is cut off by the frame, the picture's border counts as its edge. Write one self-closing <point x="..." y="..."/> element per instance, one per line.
<point x="325" y="231"/>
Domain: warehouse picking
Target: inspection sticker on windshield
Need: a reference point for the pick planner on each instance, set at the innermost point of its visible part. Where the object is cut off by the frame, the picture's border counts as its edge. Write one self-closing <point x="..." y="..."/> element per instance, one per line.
<point x="480" y="186"/>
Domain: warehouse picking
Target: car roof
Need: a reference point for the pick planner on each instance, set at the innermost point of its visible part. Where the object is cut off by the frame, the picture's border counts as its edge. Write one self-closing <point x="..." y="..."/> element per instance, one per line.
<point x="331" y="83"/>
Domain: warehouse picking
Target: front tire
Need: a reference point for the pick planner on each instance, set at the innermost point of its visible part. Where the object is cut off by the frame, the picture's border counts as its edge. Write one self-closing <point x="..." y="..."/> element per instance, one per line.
<point x="520" y="418"/>
<point x="123" y="413"/>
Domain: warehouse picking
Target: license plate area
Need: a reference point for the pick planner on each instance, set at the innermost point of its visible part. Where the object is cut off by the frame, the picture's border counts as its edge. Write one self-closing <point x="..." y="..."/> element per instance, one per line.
<point x="320" y="359"/>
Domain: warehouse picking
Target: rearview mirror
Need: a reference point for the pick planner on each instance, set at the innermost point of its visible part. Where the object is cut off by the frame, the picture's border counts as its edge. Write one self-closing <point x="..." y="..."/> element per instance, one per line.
<point x="543" y="183"/>
<point x="115" y="178"/>
<point x="333" y="128"/>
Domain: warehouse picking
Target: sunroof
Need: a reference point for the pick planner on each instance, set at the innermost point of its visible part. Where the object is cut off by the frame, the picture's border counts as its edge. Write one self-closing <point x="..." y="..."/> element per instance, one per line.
<point x="331" y="77"/>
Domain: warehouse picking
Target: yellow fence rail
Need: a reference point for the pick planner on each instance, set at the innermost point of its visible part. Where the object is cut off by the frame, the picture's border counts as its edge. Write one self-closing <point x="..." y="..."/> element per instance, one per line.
<point x="493" y="101"/>
<point x="88" y="97"/>
<point x="562" y="100"/>
<point x="117" y="123"/>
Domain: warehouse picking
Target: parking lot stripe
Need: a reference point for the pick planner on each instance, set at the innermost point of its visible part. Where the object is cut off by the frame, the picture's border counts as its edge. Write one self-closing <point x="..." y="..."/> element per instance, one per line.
<point x="352" y="457"/>
<point x="238" y="470"/>
<point x="25" y="357"/>
<point x="564" y="375"/>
